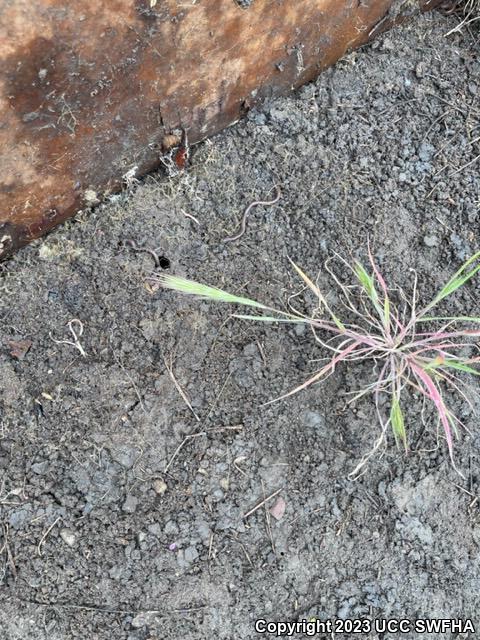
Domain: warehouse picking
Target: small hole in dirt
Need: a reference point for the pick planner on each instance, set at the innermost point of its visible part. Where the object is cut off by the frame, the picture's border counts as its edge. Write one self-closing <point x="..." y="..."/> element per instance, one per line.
<point x="163" y="263"/>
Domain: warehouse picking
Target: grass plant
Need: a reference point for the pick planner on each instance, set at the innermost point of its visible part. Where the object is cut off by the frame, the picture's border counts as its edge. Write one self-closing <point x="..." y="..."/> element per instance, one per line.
<point x="408" y="347"/>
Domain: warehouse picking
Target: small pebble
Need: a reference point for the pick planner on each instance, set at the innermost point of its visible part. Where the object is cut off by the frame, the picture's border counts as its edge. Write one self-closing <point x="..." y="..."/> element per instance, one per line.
<point x="130" y="504"/>
<point x="68" y="537"/>
<point x="40" y="467"/>
<point x="312" y="419"/>
<point x="278" y="509"/>
<point x="191" y="554"/>
<point x="420" y="69"/>
<point x="159" y="486"/>
<point x="170" y="528"/>
<point x="430" y="241"/>
<point x="155" y="529"/>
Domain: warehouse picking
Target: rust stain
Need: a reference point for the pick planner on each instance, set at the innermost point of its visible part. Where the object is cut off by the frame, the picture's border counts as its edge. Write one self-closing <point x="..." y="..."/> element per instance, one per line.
<point x="91" y="92"/>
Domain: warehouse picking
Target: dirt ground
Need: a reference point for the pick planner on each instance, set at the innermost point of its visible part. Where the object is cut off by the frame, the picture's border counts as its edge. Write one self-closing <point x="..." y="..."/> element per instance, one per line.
<point x="122" y="509"/>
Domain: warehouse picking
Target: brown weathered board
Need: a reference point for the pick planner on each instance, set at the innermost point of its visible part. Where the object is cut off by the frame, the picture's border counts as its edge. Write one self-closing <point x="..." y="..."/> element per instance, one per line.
<point x="91" y="93"/>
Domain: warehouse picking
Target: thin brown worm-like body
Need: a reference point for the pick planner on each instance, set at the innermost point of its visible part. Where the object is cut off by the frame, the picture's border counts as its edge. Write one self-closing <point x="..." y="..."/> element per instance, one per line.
<point x="155" y="257"/>
<point x="243" y="225"/>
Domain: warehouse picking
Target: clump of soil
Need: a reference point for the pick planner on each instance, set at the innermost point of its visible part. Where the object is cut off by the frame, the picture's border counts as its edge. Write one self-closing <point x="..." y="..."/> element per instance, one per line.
<point x="122" y="507"/>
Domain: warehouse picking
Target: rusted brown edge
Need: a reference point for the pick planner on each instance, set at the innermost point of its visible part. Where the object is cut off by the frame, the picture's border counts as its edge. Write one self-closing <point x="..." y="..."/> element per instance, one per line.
<point x="14" y="234"/>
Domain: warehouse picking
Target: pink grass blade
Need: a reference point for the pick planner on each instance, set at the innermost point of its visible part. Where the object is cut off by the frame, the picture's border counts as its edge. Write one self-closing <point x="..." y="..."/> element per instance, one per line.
<point x="328" y="368"/>
<point x="432" y="338"/>
<point x="430" y="391"/>
<point x="450" y="319"/>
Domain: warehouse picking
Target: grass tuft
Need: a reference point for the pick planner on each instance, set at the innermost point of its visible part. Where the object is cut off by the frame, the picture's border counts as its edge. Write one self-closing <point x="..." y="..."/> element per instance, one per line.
<point x="407" y="347"/>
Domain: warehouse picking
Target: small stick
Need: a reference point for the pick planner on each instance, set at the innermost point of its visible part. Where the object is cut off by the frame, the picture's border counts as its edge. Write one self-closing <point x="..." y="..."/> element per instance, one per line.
<point x="76" y="338"/>
<point x="180" y="446"/>
<point x="260" y="504"/>
<point x="215" y="402"/>
<point x="135" y="388"/>
<point x="154" y="254"/>
<point x="267" y="520"/>
<point x="466" y="165"/>
<point x="244" y="550"/>
<point x="179" y="388"/>
<point x="8" y="552"/>
<point x="237" y="467"/>
<point x="243" y="224"/>
<point x="190" y="609"/>
<point x="197" y="435"/>
<point x="262" y="353"/>
<point x="469" y="493"/>
<point x="101" y="609"/>
<point x="189" y="215"/>
<point x="44" y="537"/>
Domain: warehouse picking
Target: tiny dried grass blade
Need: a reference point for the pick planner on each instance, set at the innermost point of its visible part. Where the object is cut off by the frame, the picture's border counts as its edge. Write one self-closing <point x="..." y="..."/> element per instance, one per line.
<point x="386" y="312"/>
<point x="190" y="287"/>
<point x="302" y="386"/>
<point x="307" y="281"/>
<point x="319" y="295"/>
<point x="271" y="319"/>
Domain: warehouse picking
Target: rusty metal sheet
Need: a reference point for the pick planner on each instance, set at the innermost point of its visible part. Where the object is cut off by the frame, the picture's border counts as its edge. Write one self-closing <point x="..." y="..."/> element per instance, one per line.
<point x="92" y="93"/>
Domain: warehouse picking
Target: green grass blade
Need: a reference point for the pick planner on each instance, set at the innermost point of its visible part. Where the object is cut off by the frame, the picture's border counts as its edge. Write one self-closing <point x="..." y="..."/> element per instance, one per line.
<point x="460" y="366"/>
<point x="463" y="275"/>
<point x="368" y="285"/>
<point x="398" y="423"/>
<point x="190" y="287"/>
<point x="366" y="281"/>
<point x="451" y="364"/>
